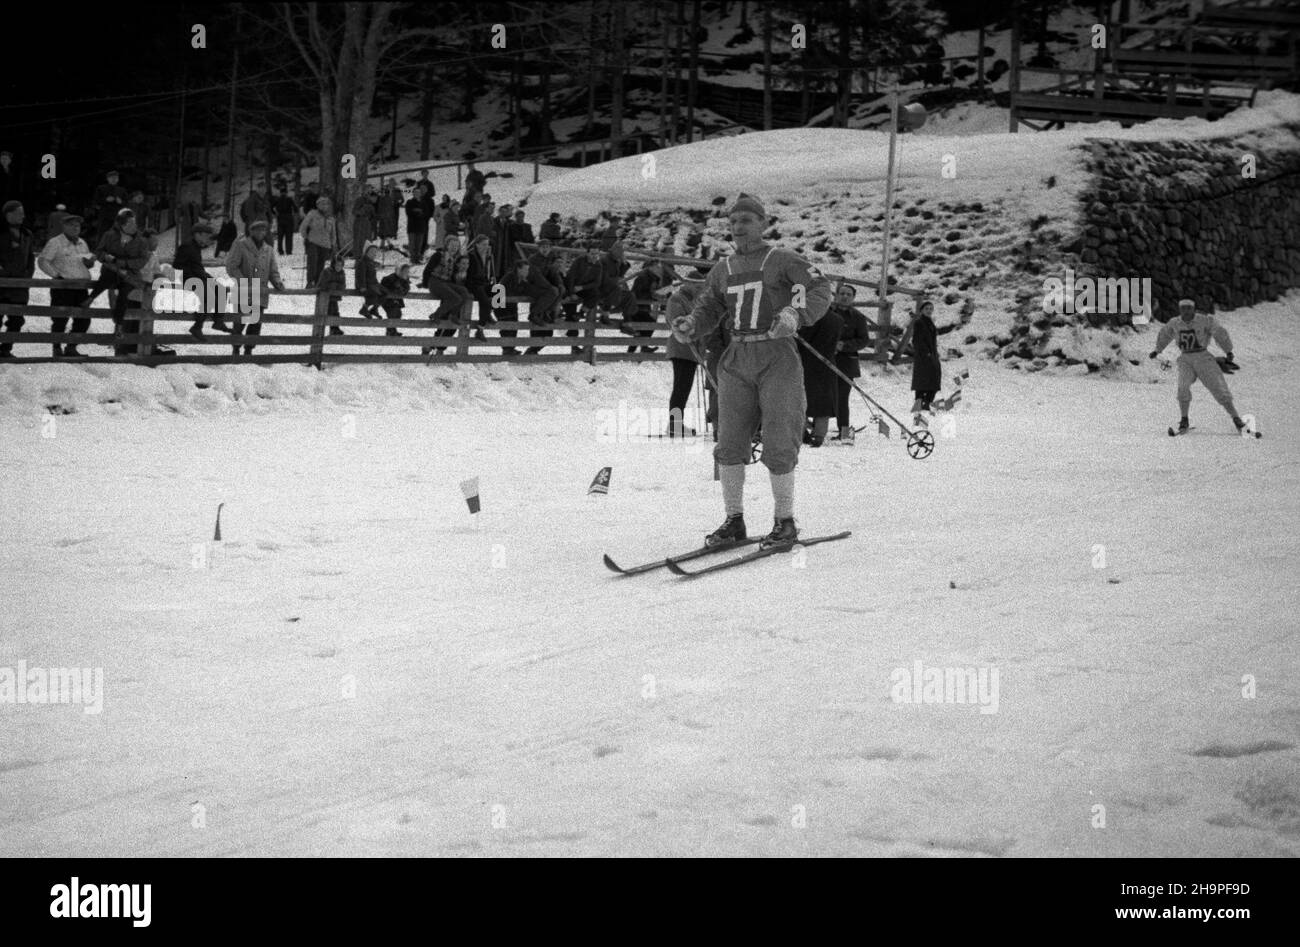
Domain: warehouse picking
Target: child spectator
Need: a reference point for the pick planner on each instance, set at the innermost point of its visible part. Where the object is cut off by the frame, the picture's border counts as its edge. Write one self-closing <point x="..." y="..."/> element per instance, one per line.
<point x="366" y="281"/>
<point x="333" y="278"/>
<point x="394" y="288"/>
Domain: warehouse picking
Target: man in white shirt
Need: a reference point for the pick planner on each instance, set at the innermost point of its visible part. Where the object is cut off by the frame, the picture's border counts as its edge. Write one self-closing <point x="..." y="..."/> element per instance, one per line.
<point x="67" y="257"/>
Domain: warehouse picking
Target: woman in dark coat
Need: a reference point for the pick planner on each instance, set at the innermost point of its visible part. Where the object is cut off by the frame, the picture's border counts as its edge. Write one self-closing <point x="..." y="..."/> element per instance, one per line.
<point x="818" y="380"/>
<point x="853" y="339"/>
<point x="927" y="374"/>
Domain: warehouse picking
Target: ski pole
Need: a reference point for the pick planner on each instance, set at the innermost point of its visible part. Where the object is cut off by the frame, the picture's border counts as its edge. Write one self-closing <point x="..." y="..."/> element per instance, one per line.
<point x="920" y="444"/>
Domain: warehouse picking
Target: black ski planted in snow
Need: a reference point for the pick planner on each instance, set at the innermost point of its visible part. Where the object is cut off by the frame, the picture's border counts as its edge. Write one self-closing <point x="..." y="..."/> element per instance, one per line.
<point x="674" y="568"/>
<point x="684" y="557"/>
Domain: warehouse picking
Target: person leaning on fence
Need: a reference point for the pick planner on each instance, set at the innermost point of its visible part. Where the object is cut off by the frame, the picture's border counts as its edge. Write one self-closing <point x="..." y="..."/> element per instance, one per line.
<point x="134" y="279"/>
<point x="854" y="337"/>
<point x="480" y="276"/>
<point x="67" y="257"/>
<point x="252" y="263"/>
<point x="121" y="252"/>
<point x="439" y="278"/>
<point x="331" y="279"/>
<point x="17" y="261"/>
<point x="365" y="275"/>
<point x="320" y="236"/>
<point x="394" y="288"/>
<point x="615" y="297"/>
<point x="188" y="261"/>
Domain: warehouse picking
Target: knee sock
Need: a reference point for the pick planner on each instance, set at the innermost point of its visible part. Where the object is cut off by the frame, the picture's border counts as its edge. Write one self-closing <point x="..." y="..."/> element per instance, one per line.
<point x="733" y="487"/>
<point x="783" y="494"/>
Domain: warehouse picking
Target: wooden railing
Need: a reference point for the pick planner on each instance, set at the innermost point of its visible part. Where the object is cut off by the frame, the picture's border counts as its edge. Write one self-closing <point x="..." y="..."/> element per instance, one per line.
<point x="592" y="340"/>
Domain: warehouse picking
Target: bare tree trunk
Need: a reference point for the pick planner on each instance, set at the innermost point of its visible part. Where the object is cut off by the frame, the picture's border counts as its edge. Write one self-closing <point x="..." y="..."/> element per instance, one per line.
<point x="592" y="30"/>
<point x="844" y="82"/>
<point x="516" y="103"/>
<point x="545" y="134"/>
<point x="744" y="14"/>
<point x="767" y="65"/>
<point x="619" y="48"/>
<point x="663" y="85"/>
<point x="677" y="70"/>
<point x="695" y="71"/>
<point x="426" y="112"/>
<point x="230" y="130"/>
<point x="979" y="80"/>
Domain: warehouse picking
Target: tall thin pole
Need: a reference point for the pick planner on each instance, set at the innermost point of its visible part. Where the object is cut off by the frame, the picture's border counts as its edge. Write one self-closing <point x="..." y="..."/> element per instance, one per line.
<point x="663" y="88"/>
<point x="767" y="65"/>
<point x="882" y="341"/>
<point x="230" y="130"/>
<point x="695" y="71"/>
<point x="182" y="229"/>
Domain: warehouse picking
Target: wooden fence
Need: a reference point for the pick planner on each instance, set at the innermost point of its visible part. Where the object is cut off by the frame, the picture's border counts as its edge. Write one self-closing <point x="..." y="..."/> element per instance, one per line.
<point x="311" y="344"/>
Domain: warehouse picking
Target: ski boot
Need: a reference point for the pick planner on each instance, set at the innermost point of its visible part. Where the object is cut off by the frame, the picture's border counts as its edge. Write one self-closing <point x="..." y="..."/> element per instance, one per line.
<point x="732" y="530"/>
<point x="784" y="533"/>
<point x="1183" y="424"/>
<point x="846" y="438"/>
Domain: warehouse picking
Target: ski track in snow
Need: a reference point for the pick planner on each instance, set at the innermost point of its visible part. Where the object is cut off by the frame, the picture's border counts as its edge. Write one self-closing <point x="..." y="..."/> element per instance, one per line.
<point x="510" y="696"/>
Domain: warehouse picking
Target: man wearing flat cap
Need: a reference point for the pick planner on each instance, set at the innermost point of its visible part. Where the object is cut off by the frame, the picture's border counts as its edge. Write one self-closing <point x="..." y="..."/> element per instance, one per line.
<point x="67" y="257"/>
<point x="252" y="264"/>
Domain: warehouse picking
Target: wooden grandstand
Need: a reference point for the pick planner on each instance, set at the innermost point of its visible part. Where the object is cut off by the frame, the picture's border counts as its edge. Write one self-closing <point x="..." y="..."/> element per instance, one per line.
<point x="1203" y="65"/>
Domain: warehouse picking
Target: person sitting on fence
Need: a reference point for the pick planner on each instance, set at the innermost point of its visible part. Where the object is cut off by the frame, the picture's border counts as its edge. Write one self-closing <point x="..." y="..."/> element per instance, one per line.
<point x="439" y="278"/>
<point x="189" y="262"/>
<point x="17" y="256"/>
<point x="252" y="264"/>
<point x="541" y="295"/>
<point x="614" y="293"/>
<point x="480" y="276"/>
<point x="332" y="278"/>
<point x="586" y="278"/>
<point x="366" y="281"/>
<point x="121" y="251"/>
<point x="67" y="257"/>
<point x="650" y="285"/>
<point x="395" y="286"/>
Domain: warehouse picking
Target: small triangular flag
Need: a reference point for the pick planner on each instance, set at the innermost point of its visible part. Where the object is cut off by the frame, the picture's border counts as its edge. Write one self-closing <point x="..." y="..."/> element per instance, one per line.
<point x="470" y="489"/>
<point x="216" y="534"/>
<point x="882" y="427"/>
<point x="600" y="484"/>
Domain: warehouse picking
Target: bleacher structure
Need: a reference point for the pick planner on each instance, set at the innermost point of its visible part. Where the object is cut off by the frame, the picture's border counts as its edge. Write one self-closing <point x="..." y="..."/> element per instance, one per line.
<point x="1204" y="64"/>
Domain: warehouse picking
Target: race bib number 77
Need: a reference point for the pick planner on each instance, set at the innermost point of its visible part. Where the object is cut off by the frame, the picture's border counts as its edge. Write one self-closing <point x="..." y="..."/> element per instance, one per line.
<point x="745" y="317"/>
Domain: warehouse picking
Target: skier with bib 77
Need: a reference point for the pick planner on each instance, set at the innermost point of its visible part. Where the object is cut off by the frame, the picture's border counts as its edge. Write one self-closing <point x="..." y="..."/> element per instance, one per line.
<point x="765" y="294"/>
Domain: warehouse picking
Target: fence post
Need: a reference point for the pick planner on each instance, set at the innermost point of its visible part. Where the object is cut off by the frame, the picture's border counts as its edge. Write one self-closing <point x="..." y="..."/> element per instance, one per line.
<point x="462" y="339"/>
<point x="534" y="169"/>
<point x="146" y="319"/>
<point x="589" y="336"/>
<point x="318" y="328"/>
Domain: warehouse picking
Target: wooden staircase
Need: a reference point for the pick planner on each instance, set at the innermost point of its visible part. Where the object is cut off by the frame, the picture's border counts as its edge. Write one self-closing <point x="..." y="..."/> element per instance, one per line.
<point x="1203" y="66"/>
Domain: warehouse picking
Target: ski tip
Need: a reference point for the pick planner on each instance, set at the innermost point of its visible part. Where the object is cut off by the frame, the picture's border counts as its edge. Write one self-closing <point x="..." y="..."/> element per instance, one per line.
<point x="612" y="566"/>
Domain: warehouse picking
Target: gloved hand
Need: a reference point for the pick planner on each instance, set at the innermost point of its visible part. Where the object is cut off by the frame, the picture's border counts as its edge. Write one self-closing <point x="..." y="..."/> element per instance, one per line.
<point x="684" y="329"/>
<point x="785" y="324"/>
<point x="1227" y="365"/>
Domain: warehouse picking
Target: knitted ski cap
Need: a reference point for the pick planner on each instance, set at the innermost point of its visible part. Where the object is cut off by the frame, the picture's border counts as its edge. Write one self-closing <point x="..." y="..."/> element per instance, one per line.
<point x="1187" y="302"/>
<point x="749" y="203"/>
<point x="12" y="205"/>
<point x="258" y="225"/>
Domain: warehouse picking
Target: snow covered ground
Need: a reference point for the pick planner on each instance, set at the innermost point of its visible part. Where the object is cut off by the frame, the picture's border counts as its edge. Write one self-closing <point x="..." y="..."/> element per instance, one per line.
<point x="362" y="668"/>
